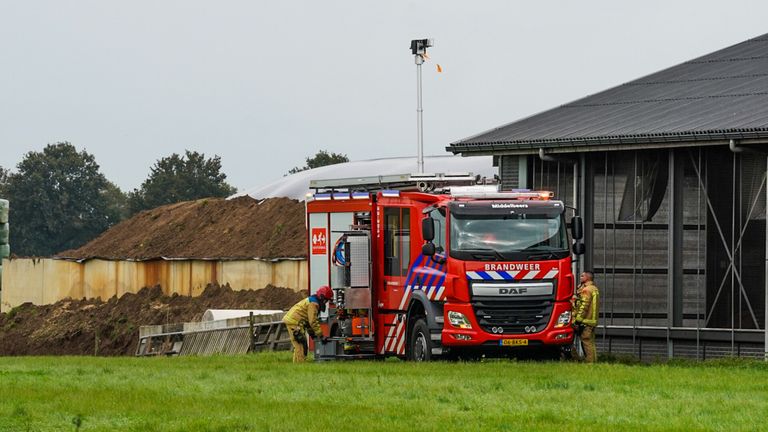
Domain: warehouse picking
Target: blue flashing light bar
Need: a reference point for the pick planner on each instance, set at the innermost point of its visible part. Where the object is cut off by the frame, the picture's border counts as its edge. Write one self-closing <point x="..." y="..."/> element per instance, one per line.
<point x="340" y="195"/>
<point x="390" y="193"/>
<point x="360" y="195"/>
<point x="323" y="196"/>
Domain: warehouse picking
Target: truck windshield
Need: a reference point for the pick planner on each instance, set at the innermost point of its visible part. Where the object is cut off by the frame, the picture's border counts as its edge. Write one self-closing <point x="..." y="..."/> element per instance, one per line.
<point x="508" y="236"/>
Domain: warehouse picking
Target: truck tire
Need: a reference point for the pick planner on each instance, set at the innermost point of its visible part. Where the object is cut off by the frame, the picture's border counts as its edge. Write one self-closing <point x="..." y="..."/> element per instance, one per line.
<point x="419" y="343"/>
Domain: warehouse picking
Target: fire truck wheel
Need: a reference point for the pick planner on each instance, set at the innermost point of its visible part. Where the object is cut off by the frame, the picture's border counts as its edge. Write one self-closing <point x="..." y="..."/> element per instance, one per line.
<point x="419" y="344"/>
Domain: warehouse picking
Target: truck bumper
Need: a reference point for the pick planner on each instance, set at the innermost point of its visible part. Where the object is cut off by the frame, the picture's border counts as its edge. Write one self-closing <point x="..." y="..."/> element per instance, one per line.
<point x="477" y="337"/>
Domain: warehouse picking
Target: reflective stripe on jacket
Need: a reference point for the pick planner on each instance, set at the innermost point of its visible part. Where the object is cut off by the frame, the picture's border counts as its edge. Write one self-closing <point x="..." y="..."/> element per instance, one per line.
<point x="304" y="314"/>
<point x="587" y="302"/>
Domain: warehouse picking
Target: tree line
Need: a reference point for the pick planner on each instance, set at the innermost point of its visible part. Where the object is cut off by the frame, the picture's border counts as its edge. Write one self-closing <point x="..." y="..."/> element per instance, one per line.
<point x="60" y="199"/>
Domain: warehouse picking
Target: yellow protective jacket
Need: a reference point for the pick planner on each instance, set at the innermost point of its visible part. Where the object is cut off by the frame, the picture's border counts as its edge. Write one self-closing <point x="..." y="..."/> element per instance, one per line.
<point x="586" y="304"/>
<point x="304" y="315"/>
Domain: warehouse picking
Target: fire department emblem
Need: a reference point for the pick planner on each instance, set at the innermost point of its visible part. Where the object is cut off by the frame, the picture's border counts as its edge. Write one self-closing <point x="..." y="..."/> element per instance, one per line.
<point x="319" y="241"/>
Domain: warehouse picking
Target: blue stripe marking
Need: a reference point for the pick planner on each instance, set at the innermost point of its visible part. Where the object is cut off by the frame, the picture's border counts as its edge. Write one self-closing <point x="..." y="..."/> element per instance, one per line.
<point x="438" y="268"/>
<point x="442" y="274"/>
<point x="441" y="281"/>
<point x="484" y="275"/>
<point x="439" y="271"/>
<point x="409" y="277"/>
<point x="423" y="278"/>
<point x="506" y="275"/>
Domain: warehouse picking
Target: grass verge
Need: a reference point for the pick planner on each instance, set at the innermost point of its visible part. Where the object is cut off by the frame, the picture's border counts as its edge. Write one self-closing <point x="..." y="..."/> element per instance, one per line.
<point x="266" y="392"/>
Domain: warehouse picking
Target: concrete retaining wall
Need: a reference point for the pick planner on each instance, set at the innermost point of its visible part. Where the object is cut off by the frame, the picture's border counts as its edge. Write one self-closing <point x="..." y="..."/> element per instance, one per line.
<point x="45" y="281"/>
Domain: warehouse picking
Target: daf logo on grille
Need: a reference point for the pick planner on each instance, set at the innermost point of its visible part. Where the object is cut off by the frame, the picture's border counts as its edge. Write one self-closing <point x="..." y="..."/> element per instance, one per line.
<point x="513" y="291"/>
<point x="530" y="329"/>
<point x="497" y="329"/>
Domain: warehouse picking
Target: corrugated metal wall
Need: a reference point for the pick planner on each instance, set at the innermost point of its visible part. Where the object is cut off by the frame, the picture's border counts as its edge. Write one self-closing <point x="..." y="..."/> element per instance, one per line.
<point x="46" y="281"/>
<point x="509" y="171"/>
<point x="677" y="241"/>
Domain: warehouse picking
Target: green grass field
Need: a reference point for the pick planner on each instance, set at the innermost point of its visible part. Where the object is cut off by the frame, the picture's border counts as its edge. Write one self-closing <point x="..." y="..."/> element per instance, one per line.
<point x="267" y="393"/>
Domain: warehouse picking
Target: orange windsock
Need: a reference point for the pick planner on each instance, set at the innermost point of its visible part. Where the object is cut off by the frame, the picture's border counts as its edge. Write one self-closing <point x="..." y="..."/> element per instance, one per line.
<point x="439" y="68"/>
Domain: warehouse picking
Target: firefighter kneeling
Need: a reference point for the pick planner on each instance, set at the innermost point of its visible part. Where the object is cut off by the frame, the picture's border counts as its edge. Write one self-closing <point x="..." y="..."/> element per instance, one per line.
<point x="302" y="320"/>
<point x="585" y="307"/>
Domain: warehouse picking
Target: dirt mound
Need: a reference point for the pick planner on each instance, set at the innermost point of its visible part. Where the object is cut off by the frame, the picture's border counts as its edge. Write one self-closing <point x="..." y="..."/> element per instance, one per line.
<point x="71" y="327"/>
<point x="206" y="228"/>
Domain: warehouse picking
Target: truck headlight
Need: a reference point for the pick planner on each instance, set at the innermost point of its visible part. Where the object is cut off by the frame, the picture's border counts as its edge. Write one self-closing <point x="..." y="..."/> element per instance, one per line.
<point x="458" y="319"/>
<point x="564" y="319"/>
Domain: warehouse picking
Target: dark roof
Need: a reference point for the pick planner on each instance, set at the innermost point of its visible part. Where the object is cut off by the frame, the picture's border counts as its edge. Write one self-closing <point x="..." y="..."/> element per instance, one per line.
<point x="720" y="96"/>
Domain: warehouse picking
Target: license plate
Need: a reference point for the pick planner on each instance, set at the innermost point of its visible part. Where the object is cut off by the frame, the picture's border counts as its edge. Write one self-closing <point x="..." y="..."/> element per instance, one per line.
<point x="513" y="342"/>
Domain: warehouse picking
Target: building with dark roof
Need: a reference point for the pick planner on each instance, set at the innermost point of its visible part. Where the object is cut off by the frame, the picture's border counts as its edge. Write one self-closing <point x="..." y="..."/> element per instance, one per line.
<point x="669" y="174"/>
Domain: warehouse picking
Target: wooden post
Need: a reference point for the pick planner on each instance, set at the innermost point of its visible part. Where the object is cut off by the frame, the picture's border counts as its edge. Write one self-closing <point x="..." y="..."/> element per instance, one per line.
<point x="253" y="336"/>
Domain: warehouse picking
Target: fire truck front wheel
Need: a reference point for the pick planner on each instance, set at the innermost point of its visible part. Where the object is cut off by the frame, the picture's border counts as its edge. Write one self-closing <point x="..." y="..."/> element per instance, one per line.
<point x="419" y="343"/>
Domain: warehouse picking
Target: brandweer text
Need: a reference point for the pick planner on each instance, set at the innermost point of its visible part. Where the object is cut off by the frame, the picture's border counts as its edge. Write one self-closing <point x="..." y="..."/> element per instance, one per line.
<point x="508" y="267"/>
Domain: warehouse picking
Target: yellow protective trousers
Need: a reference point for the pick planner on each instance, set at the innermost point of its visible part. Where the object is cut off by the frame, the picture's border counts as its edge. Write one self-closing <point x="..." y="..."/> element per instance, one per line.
<point x="299" y="342"/>
<point x="588" y="342"/>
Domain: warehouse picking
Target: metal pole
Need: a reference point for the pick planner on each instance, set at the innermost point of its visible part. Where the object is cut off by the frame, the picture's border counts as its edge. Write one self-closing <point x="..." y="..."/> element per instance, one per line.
<point x="580" y="211"/>
<point x="765" y="311"/>
<point x="586" y="190"/>
<point x="613" y="249"/>
<point x="742" y="228"/>
<point x="643" y="209"/>
<point x="419" y="115"/>
<point x="675" y="235"/>
<point x="733" y="258"/>
<point x="605" y="244"/>
<point x="634" y="258"/>
<point x="698" y="265"/>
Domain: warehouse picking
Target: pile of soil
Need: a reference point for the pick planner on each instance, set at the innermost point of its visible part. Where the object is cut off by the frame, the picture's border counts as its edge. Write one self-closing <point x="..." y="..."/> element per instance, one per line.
<point x="71" y="327"/>
<point x="240" y="228"/>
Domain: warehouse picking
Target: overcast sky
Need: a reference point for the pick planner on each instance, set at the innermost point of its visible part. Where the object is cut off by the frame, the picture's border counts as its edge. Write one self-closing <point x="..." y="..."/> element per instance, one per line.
<point x="264" y="84"/>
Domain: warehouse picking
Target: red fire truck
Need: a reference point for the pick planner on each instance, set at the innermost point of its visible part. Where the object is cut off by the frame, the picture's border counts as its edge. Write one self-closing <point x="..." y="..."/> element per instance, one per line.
<point x="421" y="267"/>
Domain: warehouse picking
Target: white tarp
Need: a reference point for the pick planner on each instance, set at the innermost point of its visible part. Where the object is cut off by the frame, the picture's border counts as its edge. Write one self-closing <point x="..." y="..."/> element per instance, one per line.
<point x="222" y="314"/>
<point x="296" y="186"/>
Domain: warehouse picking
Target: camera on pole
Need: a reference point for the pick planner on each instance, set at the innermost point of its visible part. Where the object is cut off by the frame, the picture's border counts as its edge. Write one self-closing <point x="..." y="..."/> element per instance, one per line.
<point x="419" y="50"/>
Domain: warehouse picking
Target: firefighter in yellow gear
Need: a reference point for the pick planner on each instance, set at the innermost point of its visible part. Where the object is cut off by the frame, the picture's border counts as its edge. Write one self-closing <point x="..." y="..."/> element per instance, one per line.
<point x="585" y="313"/>
<point x="302" y="319"/>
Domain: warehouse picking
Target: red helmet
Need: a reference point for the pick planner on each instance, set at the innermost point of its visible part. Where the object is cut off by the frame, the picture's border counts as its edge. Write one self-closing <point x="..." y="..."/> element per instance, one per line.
<point x="324" y="293"/>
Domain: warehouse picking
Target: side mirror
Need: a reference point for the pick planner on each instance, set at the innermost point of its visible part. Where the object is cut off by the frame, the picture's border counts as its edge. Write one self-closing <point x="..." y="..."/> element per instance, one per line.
<point x="579" y="248"/>
<point x="577" y="228"/>
<point x="428" y="228"/>
<point x="428" y="249"/>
